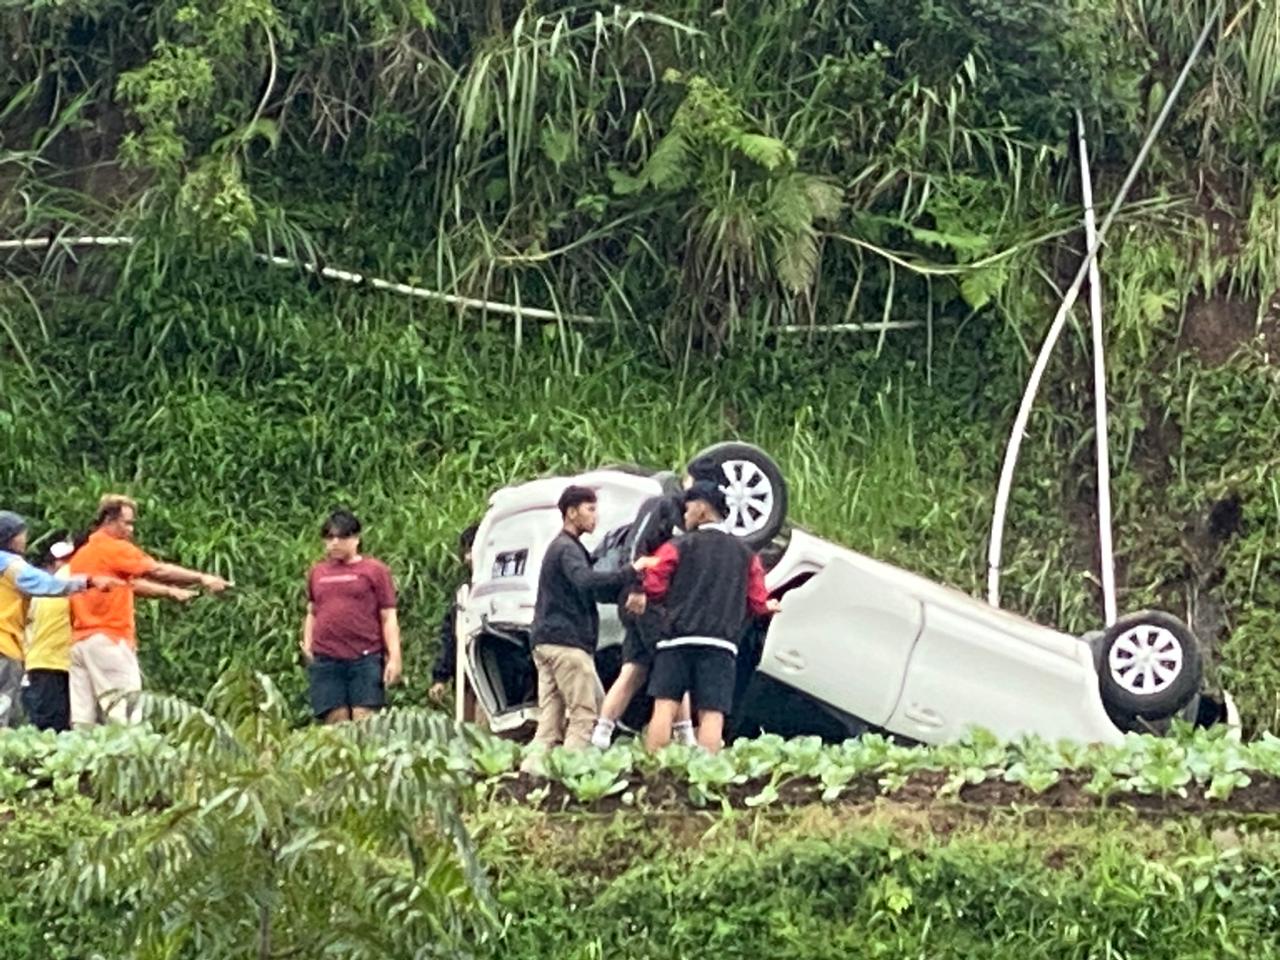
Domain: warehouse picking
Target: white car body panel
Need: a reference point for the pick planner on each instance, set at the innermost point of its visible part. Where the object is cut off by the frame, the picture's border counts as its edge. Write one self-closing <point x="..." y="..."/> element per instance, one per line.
<point x="1015" y="682"/>
<point x="526" y="517"/>
<point x="844" y="640"/>
<point x="882" y="644"/>
<point x="923" y="660"/>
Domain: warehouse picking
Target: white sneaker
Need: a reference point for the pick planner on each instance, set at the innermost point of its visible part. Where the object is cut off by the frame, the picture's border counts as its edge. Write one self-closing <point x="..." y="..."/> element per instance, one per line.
<point x="682" y="732"/>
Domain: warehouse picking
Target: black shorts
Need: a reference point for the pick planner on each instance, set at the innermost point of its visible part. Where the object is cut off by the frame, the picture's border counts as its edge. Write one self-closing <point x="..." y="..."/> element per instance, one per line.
<point x="46" y="697"/>
<point x="346" y="683"/>
<point x="707" y="674"/>
<point x="640" y="641"/>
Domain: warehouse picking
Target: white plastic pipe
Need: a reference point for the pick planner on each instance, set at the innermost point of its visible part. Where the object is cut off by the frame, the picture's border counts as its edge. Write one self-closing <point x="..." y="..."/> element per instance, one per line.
<point x="1106" y="557"/>
<point x="423" y="293"/>
<point x="329" y="273"/>
<point x="996" y="545"/>
<point x="42" y="243"/>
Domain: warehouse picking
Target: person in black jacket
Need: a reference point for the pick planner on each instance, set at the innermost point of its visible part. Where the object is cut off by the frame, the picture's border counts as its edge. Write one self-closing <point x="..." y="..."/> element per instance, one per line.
<point x="445" y="667"/>
<point x="711" y="583"/>
<point x="566" y="625"/>
<point x="658" y="519"/>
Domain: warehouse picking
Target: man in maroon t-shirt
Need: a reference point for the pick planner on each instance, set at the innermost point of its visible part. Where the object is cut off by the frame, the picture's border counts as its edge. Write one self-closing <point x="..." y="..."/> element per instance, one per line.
<point x="351" y="637"/>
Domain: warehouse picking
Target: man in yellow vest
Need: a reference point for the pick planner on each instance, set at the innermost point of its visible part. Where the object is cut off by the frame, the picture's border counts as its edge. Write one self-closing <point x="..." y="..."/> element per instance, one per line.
<point x="46" y="692"/>
<point x="19" y="581"/>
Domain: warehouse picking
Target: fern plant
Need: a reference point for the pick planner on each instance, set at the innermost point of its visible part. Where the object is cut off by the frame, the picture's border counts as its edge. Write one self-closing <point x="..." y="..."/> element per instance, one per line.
<point x="279" y="842"/>
<point x="751" y="237"/>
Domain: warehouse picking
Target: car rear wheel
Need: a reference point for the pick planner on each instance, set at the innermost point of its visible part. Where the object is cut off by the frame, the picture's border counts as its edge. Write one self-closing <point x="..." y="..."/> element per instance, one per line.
<point x="754" y="488"/>
<point x="1150" y="666"/>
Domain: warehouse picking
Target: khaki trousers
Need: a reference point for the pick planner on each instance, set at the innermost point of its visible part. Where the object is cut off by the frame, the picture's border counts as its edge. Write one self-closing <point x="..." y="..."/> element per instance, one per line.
<point x="102" y="666"/>
<point x="569" y="695"/>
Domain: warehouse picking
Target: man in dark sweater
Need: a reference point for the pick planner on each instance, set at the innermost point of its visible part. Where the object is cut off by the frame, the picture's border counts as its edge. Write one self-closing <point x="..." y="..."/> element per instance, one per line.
<point x="711" y="583"/>
<point x="566" y="626"/>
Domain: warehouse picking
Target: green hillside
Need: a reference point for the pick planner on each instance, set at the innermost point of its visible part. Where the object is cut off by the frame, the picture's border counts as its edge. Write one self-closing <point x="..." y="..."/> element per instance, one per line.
<point x="325" y="841"/>
<point x="725" y="191"/>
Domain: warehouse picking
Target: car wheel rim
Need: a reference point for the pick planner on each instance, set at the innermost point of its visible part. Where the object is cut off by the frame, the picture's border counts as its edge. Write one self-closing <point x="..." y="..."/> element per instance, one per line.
<point x="749" y="494"/>
<point x="1145" y="660"/>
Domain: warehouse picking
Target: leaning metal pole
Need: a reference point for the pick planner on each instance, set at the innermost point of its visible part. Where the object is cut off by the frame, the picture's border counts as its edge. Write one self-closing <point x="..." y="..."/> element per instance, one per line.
<point x="1106" y="554"/>
<point x="1059" y="321"/>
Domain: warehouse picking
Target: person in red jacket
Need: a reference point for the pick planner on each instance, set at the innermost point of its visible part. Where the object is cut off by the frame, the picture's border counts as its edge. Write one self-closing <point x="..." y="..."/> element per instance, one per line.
<point x="710" y="583"/>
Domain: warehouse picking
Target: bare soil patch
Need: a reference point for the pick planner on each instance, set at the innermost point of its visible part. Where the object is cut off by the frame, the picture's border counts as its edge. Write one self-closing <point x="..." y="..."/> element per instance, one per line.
<point x="1215" y="329"/>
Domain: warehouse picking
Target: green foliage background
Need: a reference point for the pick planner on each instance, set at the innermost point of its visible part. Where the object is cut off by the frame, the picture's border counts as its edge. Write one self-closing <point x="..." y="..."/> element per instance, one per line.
<point x="810" y="884"/>
<point x="889" y="884"/>
<point x="707" y="183"/>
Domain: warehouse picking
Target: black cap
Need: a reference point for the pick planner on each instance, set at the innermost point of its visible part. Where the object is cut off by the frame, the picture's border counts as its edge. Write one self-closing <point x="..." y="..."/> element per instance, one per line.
<point x="708" y="493"/>
<point x="707" y="469"/>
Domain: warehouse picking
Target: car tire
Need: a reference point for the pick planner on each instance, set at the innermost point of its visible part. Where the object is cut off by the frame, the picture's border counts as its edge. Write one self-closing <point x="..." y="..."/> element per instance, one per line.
<point x="1150" y="666"/>
<point x="755" y="488"/>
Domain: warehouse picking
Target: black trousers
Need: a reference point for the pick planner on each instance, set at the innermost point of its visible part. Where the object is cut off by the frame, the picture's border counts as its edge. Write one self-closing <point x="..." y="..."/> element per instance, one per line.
<point x="46" y="698"/>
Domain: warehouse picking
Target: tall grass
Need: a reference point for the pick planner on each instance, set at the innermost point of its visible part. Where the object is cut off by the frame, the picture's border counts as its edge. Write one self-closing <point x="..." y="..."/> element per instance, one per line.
<point x="239" y="423"/>
<point x="501" y="151"/>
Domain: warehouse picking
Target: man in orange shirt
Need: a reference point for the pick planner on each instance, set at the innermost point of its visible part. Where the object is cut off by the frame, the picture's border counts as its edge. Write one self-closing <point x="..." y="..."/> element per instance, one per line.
<point x="103" y="640"/>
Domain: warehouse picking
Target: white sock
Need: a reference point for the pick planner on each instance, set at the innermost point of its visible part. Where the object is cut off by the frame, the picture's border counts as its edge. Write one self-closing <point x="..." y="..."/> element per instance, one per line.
<point x="682" y="732"/>
<point x="602" y="734"/>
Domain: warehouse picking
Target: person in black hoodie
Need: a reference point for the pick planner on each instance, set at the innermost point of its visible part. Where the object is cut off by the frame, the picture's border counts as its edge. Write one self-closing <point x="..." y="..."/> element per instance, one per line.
<point x="445" y="667"/>
<point x="657" y="520"/>
<point x="710" y="583"/>
<point x="566" y="625"/>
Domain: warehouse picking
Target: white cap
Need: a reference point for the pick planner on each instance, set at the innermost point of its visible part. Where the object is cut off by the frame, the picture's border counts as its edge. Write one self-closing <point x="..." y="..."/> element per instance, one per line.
<point x="62" y="549"/>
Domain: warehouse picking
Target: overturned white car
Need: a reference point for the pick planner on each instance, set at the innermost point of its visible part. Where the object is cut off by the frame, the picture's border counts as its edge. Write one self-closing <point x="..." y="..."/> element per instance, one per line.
<point x="859" y="644"/>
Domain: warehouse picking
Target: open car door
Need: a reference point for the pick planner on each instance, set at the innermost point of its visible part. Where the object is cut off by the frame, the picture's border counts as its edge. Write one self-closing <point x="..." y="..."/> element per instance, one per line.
<point x="845" y="638"/>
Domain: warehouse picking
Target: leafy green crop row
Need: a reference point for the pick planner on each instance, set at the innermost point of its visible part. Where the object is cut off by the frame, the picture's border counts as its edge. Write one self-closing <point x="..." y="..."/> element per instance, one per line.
<point x="1210" y="763"/>
<point x="1191" y="763"/>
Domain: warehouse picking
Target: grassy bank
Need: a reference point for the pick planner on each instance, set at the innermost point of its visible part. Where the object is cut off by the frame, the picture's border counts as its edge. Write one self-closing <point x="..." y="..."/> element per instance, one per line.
<point x="239" y="408"/>
<point x="885" y="882"/>
<point x="239" y="413"/>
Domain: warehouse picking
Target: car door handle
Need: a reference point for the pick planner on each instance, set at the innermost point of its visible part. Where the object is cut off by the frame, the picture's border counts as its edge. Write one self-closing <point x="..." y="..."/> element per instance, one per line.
<point x="790" y="659"/>
<point x="923" y="716"/>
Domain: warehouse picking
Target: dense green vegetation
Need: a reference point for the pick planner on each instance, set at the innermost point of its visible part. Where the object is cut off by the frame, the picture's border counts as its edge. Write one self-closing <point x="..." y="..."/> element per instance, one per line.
<point x="837" y="229"/>
<point x="702" y="182"/>
<point x="886" y="885"/>
<point x="890" y="882"/>
<point x="216" y="831"/>
<point x="230" y="829"/>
